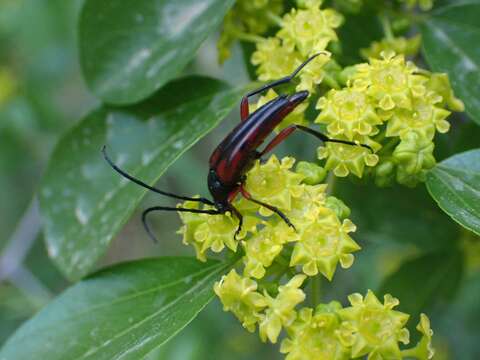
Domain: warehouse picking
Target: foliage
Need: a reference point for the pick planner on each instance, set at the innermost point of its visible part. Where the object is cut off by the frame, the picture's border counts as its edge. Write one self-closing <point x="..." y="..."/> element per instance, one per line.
<point x="400" y="215"/>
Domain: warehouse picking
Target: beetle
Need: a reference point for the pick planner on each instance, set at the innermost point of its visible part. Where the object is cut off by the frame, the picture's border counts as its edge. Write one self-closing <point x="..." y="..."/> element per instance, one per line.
<point x="236" y="154"/>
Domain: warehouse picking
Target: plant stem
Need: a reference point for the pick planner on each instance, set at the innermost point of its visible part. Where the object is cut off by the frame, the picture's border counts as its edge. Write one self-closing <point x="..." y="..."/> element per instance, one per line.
<point x="274" y="18"/>
<point x="387" y="27"/>
<point x="248" y="37"/>
<point x="315" y="289"/>
<point x="331" y="180"/>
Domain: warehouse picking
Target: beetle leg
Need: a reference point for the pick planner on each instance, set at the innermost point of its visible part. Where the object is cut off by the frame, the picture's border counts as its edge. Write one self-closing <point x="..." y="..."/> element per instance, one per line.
<point x="247" y="196"/>
<point x="282" y="135"/>
<point x="239" y="216"/>
<point x="244" y="111"/>
<point x="165" y="208"/>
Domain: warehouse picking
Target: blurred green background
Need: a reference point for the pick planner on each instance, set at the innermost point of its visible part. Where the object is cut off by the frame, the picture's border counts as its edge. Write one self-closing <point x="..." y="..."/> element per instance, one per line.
<point x="403" y="233"/>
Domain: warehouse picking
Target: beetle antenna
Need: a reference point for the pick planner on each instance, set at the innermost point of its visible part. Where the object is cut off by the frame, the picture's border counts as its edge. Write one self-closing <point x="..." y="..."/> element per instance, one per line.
<point x="285" y="79"/>
<point x="165" y="208"/>
<point x="151" y="188"/>
<point x="325" y="138"/>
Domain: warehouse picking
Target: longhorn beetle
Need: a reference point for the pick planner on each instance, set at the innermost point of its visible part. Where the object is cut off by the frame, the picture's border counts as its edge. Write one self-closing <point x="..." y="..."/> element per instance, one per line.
<point x="236" y="154"/>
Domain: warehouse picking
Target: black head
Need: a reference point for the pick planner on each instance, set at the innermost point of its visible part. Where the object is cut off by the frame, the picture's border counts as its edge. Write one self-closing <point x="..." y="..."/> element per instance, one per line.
<point x="219" y="190"/>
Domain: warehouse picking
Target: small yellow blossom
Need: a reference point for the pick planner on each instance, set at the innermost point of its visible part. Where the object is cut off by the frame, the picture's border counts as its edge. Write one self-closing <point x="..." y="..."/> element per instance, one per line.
<point x="280" y="310"/>
<point x="313" y="74"/>
<point x="213" y="232"/>
<point x="263" y="248"/>
<point x="345" y="159"/>
<point x="423" y="350"/>
<point x="310" y="30"/>
<point x="274" y="60"/>
<point x="313" y="174"/>
<point x="274" y="183"/>
<point x="308" y="205"/>
<point x="348" y="113"/>
<point x="424" y="117"/>
<point x="313" y="335"/>
<point x="390" y="81"/>
<point x="370" y="327"/>
<point x="338" y="206"/>
<point x="440" y="84"/>
<point x="238" y="295"/>
<point x="323" y="244"/>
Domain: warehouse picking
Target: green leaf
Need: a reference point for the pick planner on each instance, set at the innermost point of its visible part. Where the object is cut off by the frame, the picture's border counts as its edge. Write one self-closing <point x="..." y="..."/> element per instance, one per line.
<point x="425" y="282"/>
<point x="455" y="185"/>
<point x="128" y="50"/>
<point x="398" y="215"/>
<point x="450" y="44"/>
<point x="84" y="202"/>
<point x="120" y="313"/>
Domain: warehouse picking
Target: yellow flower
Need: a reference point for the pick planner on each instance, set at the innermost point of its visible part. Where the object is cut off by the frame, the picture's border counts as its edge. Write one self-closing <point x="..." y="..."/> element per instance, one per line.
<point x="309" y="30"/>
<point x="274" y="60"/>
<point x="370" y="327"/>
<point x="274" y="183"/>
<point x="390" y="81"/>
<point x="345" y="159"/>
<point x="263" y="247"/>
<point x="308" y="206"/>
<point x="238" y="295"/>
<point x="281" y="309"/>
<point x="323" y="244"/>
<point x="313" y="335"/>
<point x="440" y="84"/>
<point x="348" y="113"/>
<point x="313" y="174"/>
<point x="213" y="232"/>
<point x="423" y="350"/>
<point x="424" y="117"/>
<point x="338" y="206"/>
<point x="313" y="74"/>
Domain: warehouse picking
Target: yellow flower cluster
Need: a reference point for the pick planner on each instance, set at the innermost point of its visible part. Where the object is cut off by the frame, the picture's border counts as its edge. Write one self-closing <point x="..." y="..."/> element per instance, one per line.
<point x="273" y="250"/>
<point x="388" y="103"/>
<point x="396" y="109"/>
<point x="320" y="242"/>
<point x="329" y="331"/>
<point x="304" y="32"/>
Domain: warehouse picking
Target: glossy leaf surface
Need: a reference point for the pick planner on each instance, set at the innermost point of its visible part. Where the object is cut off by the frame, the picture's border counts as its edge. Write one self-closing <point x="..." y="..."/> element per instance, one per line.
<point x="128" y="50"/>
<point x="450" y="38"/>
<point x="123" y="312"/>
<point x="455" y="186"/>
